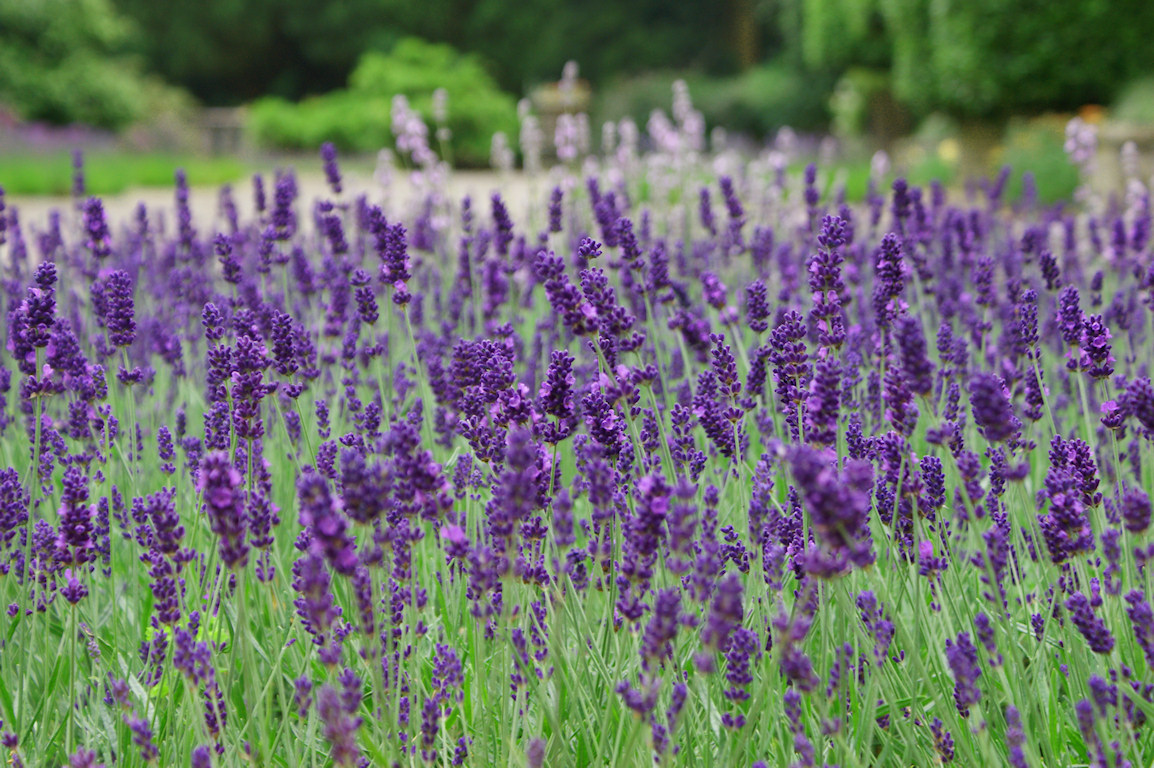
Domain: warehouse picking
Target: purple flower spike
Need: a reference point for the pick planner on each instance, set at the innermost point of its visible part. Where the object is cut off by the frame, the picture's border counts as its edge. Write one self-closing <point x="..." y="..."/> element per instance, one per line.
<point x="202" y="757"/>
<point x="1135" y="510"/>
<point x="962" y="657"/>
<point x="220" y="483"/>
<point x="332" y="171"/>
<point x="1139" y="402"/>
<point x="992" y="410"/>
<point x="96" y="229"/>
<point x="838" y="503"/>
<point x="757" y="306"/>
<point x="86" y="758"/>
<point x="142" y="737"/>
<point x="339" y="726"/>
<point x="319" y="512"/>
<point x="119" y="309"/>
<point x="1092" y="628"/>
<point x="1142" y="622"/>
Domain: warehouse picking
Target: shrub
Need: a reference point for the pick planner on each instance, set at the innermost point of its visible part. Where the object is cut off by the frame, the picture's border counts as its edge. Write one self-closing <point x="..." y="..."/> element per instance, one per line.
<point x="357" y="118"/>
<point x="351" y="121"/>
<point x="763" y="99"/>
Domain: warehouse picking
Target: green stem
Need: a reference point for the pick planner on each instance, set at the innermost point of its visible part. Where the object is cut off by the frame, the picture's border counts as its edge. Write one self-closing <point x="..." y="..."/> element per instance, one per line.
<point x="68" y="743"/>
<point x="33" y="493"/>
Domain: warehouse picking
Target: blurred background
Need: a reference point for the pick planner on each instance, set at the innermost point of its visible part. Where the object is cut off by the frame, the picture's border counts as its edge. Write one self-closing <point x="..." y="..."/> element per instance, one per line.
<point x="948" y="89"/>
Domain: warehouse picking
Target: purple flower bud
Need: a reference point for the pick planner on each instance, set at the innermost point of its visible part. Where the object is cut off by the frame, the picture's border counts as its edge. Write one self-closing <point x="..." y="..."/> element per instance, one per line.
<point x="822" y="405"/>
<point x="889" y="285"/>
<point x="915" y="362"/>
<point x="1097" y="360"/>
<point x="73" y="590"/>
<point x="705" y="212"/>
<point x="86" y="758"/>
<point x="558" y="399"/>
<point x="502" y="225"/>
<point x="1142" y="622"/>
<point x="535" y="753"/>
<point x="725" y="613"/>
<point x="943" y="741"/>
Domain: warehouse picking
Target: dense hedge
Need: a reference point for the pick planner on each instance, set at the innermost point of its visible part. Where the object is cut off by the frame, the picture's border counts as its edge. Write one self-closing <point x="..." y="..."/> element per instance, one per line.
<point x="358" y="117"/>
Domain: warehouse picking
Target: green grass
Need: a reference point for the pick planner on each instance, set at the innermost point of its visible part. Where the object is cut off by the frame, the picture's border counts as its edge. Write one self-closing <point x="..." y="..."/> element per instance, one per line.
<point x="111" y="172"/>
<point x="1037" y="148"/>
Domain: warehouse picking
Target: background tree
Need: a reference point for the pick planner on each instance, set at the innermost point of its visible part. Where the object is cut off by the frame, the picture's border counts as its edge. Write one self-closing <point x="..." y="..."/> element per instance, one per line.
<point x="228" y="51"/>
<point x="64" y="61"/>
<point x="985" y="58"/>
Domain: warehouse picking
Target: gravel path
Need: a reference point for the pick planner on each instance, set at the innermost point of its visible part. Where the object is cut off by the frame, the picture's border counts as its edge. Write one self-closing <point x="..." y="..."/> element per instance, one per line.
<point x="516" y="189"/>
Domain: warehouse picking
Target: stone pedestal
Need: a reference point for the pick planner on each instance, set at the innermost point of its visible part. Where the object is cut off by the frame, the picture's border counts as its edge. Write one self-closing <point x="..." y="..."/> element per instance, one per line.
<point x="550" y="101"/>
<point x="223" y="129"/>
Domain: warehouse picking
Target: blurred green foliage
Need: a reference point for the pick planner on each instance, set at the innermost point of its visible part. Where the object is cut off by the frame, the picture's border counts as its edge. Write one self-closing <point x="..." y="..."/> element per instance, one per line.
<point x="757" y="101"/>
<point x="110" y="172"/>
<point x="358" y="118"/>
<point x="855" y="98"/>
<point x="1037" y="147"/>
<point x="760" y="63"/>
<point x="228" y="51"/>
<point x="1135" y="104"/>
<point x="63" y="61"/>
<point x="986" y="57"/>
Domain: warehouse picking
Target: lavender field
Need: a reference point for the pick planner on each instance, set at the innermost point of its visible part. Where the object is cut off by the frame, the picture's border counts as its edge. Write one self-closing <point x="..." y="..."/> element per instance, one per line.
<point x="686" y="462"/>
